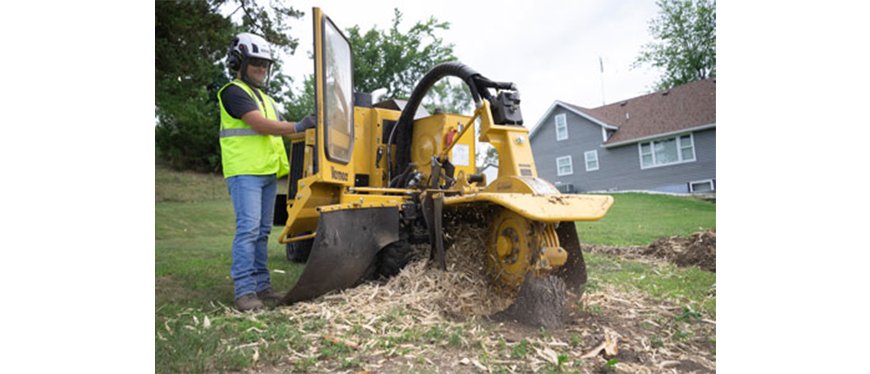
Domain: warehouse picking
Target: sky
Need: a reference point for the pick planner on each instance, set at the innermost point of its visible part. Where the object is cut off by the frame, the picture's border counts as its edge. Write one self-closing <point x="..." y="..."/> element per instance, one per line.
<point x="549" y="49"/>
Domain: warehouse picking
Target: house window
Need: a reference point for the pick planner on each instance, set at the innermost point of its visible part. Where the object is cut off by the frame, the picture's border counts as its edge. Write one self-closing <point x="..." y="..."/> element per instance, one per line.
<point x="606" y="134"/>
<point x="561" y="127"/>
<point x="591" y="160"/>
<point x="564" y="166"/>
<point x="667" y="151"/>
<point x="708" y="185"/>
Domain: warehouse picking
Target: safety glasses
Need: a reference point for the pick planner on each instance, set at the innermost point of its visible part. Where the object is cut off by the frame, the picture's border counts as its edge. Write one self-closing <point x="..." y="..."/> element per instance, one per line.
<point x="260" y="63"/>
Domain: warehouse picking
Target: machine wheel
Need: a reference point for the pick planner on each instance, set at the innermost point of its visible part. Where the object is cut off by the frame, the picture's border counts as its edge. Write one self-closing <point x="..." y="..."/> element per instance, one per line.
<point x="393" y="258"/>
<point x="511" y="246"/>
<point x="299" y="251"/>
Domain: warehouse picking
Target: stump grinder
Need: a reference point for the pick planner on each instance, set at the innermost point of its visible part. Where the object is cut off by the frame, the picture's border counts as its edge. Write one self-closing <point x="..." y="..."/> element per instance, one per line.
<point x="372" y="179"/>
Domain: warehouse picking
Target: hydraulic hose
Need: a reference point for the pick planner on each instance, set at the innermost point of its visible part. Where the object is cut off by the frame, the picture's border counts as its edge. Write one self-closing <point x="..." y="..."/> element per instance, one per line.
<point x="403" y="129"/>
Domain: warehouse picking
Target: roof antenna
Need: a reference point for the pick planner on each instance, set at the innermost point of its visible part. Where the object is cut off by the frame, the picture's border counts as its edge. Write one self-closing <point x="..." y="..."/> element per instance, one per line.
<point x="601" y="63"/>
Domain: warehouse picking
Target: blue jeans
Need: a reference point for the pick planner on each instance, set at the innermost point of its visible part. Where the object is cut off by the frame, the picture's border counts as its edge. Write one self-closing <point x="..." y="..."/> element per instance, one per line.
<point x="253" y="199"/>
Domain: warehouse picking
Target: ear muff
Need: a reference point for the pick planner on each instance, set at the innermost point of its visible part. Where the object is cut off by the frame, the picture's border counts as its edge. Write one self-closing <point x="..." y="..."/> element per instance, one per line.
<point x="234" y="60"/>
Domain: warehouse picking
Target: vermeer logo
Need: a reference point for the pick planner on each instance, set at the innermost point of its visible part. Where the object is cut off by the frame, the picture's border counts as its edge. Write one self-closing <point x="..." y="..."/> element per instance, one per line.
<point x="339" y="175"/>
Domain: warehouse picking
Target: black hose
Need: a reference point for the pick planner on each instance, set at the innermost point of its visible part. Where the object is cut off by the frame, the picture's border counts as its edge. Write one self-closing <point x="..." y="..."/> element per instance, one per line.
<point x="403" y="126"/>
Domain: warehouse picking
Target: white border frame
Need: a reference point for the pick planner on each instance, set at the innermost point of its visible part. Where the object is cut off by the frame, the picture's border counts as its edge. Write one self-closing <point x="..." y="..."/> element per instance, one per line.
<point x="570" y="165"/>
<point x="679" y="151"/>
<point x="711" y="181"/>
<point x="586" y="160"/>
<point x="556" y="122"/>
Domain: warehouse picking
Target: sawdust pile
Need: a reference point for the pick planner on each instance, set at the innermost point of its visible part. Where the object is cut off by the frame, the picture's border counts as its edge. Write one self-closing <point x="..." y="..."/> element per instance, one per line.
<point x="644" y="335"/>
<point x="421" y="291"/>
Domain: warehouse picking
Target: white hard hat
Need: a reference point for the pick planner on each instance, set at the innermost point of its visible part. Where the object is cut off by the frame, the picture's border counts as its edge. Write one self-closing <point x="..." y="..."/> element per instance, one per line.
<point x="245" y="46"/>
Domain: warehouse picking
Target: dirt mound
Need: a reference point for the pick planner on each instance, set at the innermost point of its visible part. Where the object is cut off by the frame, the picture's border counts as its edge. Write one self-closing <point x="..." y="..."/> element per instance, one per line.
<point x="699" y="250"/>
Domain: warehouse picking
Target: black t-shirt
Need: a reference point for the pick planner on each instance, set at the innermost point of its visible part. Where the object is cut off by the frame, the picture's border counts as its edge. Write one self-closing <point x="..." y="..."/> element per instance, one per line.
<point x="237" y="102"/>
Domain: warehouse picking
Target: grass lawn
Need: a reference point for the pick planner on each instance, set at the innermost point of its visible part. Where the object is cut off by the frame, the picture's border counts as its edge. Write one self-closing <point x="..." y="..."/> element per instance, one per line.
<point x="640" y="219"/>
<point x="194" y="231"/>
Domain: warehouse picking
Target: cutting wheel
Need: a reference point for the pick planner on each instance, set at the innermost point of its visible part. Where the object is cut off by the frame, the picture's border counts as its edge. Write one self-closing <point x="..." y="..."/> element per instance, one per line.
<point x="511" y="248"/>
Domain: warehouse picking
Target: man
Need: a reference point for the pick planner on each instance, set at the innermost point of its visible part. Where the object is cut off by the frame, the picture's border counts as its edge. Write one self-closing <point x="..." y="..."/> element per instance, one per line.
<point x="253" y="157"/>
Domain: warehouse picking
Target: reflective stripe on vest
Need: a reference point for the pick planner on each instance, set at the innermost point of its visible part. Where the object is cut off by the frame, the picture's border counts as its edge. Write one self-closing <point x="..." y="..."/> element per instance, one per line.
<point x="238" y="132"/>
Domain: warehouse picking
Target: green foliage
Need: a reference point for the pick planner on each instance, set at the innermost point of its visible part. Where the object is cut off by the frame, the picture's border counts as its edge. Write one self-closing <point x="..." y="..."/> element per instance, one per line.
<point x="455" y="339"/>
<point x="449" y="95"/>
<point x="576" y="340"/>
<point x="686" y="42"/>
<point x="491" y="157"/>
<point x="681" y="335"/>
<point x="656" y="341"/>
<point x="191" y="40"/>
<point x="640" y="219"/>
<point x="395" y="59"/>
<point x="300" y="103"/>
<point x="688" y="315"/>
<point x="521" y="349"/>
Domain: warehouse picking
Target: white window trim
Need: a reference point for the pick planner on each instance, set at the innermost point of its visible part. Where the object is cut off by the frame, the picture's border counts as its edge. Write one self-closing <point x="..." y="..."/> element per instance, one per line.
<point x="680" y="147"/>
<point x="679" y="151"/>
<point x="586" y="159"/>
<point x="570" y="165"/>
<point x="565" y="125"/>
<point x="712" y="184"/>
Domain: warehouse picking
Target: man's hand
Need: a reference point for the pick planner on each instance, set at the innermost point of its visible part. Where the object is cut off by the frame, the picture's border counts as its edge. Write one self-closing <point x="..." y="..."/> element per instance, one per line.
<point x="308" y="122"/>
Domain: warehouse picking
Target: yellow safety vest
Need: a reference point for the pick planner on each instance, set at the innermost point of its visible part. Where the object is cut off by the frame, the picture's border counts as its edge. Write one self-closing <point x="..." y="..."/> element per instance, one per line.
<point x="245" y="151"/>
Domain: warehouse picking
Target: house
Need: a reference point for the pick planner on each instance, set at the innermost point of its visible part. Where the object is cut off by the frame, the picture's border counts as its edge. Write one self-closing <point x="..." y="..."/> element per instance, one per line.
<point x="664" y="141"/>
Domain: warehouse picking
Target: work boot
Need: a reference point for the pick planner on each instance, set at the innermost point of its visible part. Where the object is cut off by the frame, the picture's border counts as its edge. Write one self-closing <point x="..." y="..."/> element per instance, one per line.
<point x="269" y="295"/>
<point x="248" y="302"/>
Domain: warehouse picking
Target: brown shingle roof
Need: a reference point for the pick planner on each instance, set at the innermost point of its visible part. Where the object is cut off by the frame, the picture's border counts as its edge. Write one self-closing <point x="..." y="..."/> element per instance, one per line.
<point x="682" y="107"/>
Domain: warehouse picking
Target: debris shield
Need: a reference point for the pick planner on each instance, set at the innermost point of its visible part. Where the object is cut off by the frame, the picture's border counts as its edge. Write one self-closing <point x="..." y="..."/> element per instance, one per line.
<point x="344" y="250"/>
<point x="574" y="271"/>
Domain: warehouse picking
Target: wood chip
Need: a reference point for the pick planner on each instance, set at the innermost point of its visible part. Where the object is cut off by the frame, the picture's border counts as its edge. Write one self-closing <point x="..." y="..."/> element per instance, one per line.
<point x="341" y="341"/>
<point x="549" y="355"/>
<point x="478" y="365"/>
<point x="594" y="351"/>
<point x="609" y="346"/>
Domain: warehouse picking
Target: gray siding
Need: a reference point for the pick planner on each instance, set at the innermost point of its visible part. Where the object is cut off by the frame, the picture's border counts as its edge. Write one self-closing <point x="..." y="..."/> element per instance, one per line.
<point x="618" y="168"/>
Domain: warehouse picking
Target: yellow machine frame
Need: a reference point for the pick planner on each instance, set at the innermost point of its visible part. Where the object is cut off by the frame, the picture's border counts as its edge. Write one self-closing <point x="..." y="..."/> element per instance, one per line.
<point x="328" y="185"/>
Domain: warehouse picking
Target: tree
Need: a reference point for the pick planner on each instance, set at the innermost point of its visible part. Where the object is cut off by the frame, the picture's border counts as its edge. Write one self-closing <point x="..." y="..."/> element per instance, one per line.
<point x="686" y="42"/>
<point x="450" y="95"/>
<point x="395" y="59"/>
<point x="300" y="103"/>
<point x="191" y="40"/>
<point x="490" y="156"/>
